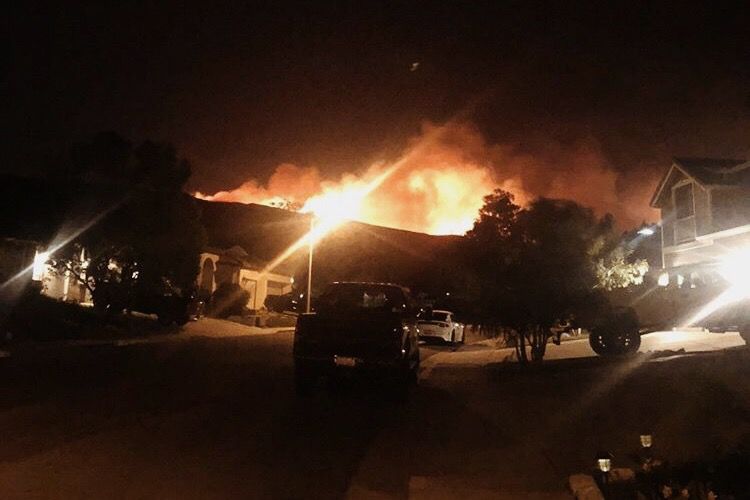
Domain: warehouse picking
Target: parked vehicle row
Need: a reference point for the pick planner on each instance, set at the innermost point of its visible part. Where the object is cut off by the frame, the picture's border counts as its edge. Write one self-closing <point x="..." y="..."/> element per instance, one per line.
<point x="375" y="328"/>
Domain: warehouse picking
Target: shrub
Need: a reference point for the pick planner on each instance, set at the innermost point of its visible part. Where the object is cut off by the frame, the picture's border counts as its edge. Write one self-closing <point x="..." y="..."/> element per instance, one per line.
<point x="40" y="318"/>
<point x="229" y="299"/>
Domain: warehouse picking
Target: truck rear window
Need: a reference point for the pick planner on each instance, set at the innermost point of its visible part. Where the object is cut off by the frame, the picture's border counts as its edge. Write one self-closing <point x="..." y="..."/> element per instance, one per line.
<point x="361" y="296"/>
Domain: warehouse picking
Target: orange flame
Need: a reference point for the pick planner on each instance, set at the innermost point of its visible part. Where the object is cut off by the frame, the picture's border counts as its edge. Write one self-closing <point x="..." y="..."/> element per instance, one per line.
<point x="438" y="184"/>
<point x="425" y="190"/>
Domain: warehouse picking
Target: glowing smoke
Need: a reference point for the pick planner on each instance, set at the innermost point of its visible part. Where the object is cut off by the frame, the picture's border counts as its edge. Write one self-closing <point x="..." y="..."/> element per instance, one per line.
<point x="445" y="172"/>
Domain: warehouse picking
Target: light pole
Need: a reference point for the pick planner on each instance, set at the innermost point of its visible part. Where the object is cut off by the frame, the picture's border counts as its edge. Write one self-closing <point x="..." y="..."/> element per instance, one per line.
<point x="309" y="263"/>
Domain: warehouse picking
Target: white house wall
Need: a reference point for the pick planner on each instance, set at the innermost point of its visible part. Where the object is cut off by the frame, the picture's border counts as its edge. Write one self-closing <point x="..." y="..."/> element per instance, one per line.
<point x="214" y="258"/>
<point x="257" y="285"/>
<point x="249" y="279"/>
<point x="708" y="248"/>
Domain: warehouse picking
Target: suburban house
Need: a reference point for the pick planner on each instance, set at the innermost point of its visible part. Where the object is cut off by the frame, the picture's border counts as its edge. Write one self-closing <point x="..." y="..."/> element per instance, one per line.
<point x="234" y="265"/>
<point x="16" y="256"/>
<point x="705" y="214"/>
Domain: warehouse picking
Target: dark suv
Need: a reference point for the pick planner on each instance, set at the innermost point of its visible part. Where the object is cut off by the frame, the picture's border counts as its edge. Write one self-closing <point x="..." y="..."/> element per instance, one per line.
<point x="358" y="327"/>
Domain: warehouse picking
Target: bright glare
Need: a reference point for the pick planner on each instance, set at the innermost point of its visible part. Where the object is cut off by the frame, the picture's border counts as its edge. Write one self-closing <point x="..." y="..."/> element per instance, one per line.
<point x="331" y="209"/>
<point x="40" y="265"/>
<point x="646" y="231"/>
<point x="735" y="268"/>
<point x="674" y="336"/>
<point x="663" y="279"/>
<point x="335" y="206"/>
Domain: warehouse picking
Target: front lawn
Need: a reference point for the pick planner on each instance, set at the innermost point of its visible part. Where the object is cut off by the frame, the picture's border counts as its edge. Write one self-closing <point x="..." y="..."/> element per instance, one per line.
<point x="40" y="318"/>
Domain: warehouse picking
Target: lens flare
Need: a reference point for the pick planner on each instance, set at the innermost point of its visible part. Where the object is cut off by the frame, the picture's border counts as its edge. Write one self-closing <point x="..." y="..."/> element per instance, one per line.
<point x="343" y="202"/>
<point x="734" y="267"/>
<point x="330" y="210"/>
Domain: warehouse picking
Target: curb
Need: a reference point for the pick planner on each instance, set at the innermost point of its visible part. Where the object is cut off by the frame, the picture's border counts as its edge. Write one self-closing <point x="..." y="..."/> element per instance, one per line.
<point x="584" y="487"/>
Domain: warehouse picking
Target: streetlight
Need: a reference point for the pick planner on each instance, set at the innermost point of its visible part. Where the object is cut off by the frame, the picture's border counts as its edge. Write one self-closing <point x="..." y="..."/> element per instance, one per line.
<point x="331" y="209"/>
<point x="309" y="264"/>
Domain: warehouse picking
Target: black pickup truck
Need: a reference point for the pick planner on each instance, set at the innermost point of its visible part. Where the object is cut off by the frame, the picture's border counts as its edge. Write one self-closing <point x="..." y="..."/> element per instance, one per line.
<point x="358" y="327"/>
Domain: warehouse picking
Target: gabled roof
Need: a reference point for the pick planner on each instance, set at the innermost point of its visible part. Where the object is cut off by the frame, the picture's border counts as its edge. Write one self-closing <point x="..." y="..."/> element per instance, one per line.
<point x="706" y="172"/>
<point x="716" y="171"/>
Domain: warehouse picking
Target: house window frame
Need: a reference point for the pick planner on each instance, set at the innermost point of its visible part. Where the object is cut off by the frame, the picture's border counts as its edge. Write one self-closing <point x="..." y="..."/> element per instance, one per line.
<point x="692" y="216"/>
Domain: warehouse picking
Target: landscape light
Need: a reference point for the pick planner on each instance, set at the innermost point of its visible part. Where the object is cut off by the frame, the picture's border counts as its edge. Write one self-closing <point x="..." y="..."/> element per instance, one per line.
<point x="604" y="461"/>
<point x="646" y="440"/>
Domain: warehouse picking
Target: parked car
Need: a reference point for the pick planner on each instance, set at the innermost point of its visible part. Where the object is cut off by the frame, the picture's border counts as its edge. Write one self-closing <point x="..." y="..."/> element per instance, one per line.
<point x="290" y="302"/>
<point x="440" y="325"/>
<point x="356" y="328"/>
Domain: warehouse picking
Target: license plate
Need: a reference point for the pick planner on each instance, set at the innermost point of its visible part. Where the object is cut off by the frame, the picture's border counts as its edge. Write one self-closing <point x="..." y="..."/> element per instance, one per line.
<point x="344" y="361"/>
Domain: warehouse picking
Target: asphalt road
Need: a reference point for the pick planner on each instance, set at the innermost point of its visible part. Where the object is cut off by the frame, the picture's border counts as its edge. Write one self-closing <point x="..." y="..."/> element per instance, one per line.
<point x="217" y="418"/>
<point x="202" y="418"/>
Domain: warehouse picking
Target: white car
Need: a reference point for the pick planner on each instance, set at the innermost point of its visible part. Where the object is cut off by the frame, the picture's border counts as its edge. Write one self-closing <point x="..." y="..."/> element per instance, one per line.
<point x="441" y="325"/>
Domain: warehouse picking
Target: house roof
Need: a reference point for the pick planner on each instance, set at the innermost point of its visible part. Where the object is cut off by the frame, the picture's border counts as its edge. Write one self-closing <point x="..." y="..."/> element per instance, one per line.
<point x="707" y="172"/>
<point x="716" y="171"/>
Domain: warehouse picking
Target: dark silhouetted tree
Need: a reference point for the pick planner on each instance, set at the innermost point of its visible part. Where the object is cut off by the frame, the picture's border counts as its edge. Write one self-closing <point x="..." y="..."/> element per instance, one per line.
<point x="131" y="216"/>
<point x="536" y="266"/>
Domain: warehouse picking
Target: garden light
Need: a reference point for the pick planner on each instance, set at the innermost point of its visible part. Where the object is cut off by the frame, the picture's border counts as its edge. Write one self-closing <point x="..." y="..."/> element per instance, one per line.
<point x="604" y="461"/>
<point x="646" y="440"/>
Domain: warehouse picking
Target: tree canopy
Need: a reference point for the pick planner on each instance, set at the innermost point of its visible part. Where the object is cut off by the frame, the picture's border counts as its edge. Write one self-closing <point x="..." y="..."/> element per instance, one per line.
<point x="129" y="213"/>
<point x="538" y="266"/>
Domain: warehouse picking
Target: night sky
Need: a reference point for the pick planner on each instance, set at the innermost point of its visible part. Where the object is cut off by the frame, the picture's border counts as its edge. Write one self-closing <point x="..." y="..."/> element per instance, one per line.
<point x="241" y="88"/>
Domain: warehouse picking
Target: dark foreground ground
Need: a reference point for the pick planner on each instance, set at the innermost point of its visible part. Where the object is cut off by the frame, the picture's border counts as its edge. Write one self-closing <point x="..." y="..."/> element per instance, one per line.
<point x="217" y="418"/>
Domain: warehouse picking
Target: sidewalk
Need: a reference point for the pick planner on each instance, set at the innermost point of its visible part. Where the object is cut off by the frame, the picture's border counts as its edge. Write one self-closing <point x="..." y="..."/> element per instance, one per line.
<point x="219" y="328"/>
<point x="481" y="354"/>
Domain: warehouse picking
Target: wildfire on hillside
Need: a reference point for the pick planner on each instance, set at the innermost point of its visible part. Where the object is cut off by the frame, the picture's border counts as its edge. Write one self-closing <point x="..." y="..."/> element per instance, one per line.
<point x="438" y="184"/>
